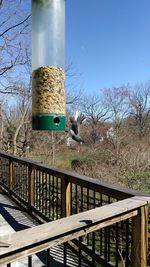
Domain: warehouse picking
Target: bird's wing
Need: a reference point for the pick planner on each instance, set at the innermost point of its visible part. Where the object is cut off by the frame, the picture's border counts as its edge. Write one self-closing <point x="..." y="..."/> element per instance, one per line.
<point x="74" y="127"/>
<point x="81" y="118"/>
<point x="76" y="115"/>
<point x="75" y="137"/>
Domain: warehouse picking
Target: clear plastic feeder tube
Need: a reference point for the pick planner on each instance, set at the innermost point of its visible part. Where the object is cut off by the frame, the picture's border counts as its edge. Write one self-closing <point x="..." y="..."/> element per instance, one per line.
<point x="48" y="56"/>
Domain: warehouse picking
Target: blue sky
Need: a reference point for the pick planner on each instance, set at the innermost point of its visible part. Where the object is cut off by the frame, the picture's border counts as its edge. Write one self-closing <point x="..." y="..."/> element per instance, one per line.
<point x="108" y="42"/>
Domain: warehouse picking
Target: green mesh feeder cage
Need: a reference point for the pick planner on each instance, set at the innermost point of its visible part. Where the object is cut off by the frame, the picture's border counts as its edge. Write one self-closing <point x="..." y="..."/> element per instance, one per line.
<point x="48" y="56"/>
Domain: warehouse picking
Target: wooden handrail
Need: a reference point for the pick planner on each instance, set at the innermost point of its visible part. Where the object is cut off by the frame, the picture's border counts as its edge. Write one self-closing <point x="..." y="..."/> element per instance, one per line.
<point x="33" y="240"/>
<point x="94" y="184"/>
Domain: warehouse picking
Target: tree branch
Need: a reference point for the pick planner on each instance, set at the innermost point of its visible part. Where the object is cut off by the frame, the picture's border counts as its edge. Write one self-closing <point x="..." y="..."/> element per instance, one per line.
<point x="14" y="26"/>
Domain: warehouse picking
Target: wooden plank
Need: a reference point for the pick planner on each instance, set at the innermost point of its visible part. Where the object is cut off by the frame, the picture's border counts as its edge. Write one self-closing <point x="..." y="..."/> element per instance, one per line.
<point x="140" y="238"/>
<point x="41" y="237"/>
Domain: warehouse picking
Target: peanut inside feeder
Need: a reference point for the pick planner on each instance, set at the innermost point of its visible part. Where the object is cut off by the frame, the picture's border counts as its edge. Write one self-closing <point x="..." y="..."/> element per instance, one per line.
<point x="48" y="95"/>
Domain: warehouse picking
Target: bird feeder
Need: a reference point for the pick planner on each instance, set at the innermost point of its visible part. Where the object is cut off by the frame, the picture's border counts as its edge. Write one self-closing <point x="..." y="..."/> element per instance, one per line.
<point x="48" y="75"/>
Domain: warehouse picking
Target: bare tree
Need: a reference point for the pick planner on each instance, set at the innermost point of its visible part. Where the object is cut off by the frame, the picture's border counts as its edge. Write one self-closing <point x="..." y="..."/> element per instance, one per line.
<point x="116" y="100"/>
<point x="22" y="121"/>
<point x="16" y="116"/>
<point x="15" y="68"/>
<point x="14" y="41"/>
<point x="74" y="95"/>
<point x="139" y="100"/>
<point x="94" y="109"/>
<point x="96" y="113"/>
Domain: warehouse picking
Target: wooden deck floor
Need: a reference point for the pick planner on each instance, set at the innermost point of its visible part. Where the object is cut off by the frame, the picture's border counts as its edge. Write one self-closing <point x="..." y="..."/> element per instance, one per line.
<point x="13" y="219"/>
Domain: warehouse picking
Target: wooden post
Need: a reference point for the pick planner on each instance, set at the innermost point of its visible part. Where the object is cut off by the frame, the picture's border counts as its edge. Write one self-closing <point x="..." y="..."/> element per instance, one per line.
<point x="10" y="182"/>
<point x="66" y="197"/>
<point x="140" y="238"/>
<point x="31" y="187"/>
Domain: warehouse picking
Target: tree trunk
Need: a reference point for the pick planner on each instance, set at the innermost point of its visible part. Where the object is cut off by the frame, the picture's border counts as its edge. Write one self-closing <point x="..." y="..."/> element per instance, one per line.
<point x="18" y="129"/>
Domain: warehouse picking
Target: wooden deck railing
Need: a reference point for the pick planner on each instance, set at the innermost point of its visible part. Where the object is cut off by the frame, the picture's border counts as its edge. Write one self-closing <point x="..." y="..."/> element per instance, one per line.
<point x="39" y="238"/>
<point x="50" y="194"/>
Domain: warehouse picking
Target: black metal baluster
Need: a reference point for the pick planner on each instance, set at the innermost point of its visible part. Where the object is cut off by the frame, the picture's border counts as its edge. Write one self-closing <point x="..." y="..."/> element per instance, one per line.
<point x="23" y="182"/>
<point x="81" y="206"/>
<point x="65" y="254"/>
<point x="17" y="173"/>
<point x="61" y="198"/>
<point x="14" y="178"/>
<point x="117" y="245"/>
<point x="26" y="183"/>
<point x="127" y="244"/>
<point x="79" y="252"/>
<point x="39" y="191"/>
<point x="76" y="199"/>
<point x="106" y="245"/>
<point x="101" y="231"/>
<point x="40" y="196"/>
<point x="48" y="257"/>
<point x="53" y="197"/>
<point x="17" y="179"/>
<point x="9" y="265"/>
<point x="46" y="193"/>
<point x="35" y="181"/>
<point x="88" y="236"/>
<point x="29" y="261"/>
<point x="93" y="249"/>
<point x="57" y="198"/>
<point x="20" y="181"/>
<point x="39" y="188"/>
<point x="108" y="235"/>
<point x="43" y="193"/>
<point x="93" y="234"/>
<point x="71" y="207"/>
<point x="15" y="182"/>
<point x="34" y="177"/>
<point x="87" y="199"/>
<point x="49" y="196"/>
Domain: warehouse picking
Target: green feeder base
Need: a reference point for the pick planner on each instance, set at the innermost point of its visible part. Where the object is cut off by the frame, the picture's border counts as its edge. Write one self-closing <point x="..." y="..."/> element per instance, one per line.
<point x="56" y="122"/>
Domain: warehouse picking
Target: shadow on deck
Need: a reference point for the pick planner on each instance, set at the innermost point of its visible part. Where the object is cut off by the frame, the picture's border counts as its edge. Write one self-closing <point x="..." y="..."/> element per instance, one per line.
<point x="13" y="219"/>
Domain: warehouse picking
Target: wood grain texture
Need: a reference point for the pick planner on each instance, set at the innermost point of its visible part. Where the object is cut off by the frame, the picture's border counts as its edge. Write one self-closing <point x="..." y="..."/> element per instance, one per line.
<point x="51" y="234"/>
<point x="140" y="238"/>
